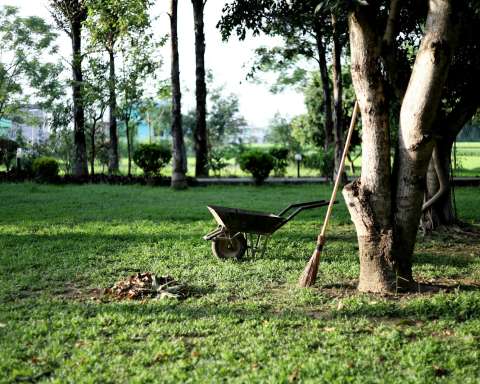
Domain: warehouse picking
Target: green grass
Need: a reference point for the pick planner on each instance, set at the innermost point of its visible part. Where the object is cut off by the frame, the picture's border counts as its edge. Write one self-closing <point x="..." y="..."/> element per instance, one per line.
<point x="246" y="322"/>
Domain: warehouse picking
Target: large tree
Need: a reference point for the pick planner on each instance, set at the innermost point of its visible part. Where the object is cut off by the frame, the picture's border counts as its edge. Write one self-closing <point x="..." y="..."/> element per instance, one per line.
<point x="200" y="134"/>
<point x="385" y="203"/>
<point x="109" y="23"/>
<point x="179" y="168"/>
<point x="70" y="15"/>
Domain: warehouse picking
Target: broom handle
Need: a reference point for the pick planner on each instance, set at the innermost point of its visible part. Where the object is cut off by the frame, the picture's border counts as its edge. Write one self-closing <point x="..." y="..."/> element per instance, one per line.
<point x="340" y="171"/>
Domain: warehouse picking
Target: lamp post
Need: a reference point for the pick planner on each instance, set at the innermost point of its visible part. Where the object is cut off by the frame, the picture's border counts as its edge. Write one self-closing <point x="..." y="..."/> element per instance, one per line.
<point x="298" y="159"/>
<point x="19" y="159"/>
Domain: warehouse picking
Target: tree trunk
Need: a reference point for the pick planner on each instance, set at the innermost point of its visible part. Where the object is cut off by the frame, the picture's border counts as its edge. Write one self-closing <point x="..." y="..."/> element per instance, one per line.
<point x="129" y="146"/>
<point x="369" y="199"/>
<point x="179" y="166"/>
<point x="337" y="100"/>
<point x="113" y="165"/>
<point x="417" y="115"/>
<point x="92" y="150"/>
<point x="149" y="128"/>
<point x="80" y="167"/>
<point x="200" y="134"/>
<point x="441" y="212"/>
<point x="327" y="96"/>
<point x="386" y="232"/>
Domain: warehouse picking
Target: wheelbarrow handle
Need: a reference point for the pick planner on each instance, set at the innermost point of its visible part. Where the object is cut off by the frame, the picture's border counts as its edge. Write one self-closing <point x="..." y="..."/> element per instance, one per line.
<point x="302" y="207"/>
<point x="310" y="204"/>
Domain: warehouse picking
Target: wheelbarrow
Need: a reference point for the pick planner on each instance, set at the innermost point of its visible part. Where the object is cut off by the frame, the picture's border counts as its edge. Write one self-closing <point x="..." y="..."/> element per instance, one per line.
<point x="241" y="231"/>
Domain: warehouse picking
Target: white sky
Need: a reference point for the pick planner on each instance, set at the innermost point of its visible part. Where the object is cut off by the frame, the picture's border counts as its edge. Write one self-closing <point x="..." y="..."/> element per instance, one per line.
<point x="228" y="61"/>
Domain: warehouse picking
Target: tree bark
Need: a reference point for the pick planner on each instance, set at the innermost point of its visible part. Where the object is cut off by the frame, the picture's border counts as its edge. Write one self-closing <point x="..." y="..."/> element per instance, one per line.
<point x="113" y="165"/>
<point x="415" y="143"/>
<point x="179" y="167"/>
<point x="337" y="100"/>
<point x="80" y="167"/>
<point x="369" y="199"/>
<point x="327" y="95"/>
<point x="200" y="134"/>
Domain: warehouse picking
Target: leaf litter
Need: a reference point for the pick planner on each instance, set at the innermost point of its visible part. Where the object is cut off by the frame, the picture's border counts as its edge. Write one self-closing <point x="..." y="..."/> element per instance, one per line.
<point x="147" y="285"/>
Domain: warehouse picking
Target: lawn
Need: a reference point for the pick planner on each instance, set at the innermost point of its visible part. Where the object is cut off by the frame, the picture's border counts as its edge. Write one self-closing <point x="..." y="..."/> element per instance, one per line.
<point x="245" y="322"/>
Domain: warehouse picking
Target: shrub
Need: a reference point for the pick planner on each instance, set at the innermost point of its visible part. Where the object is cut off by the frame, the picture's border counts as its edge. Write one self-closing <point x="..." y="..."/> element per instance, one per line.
<point x="8" y="152"/>
<point x="281" y="160"/>
<point x="323" y="161"/>
<point x="45" y="168"/>
<point x="151" y="158"/>
<point x="258" y="163"/>
<point x="217" y="161"/>
<point x="26" y="165"/>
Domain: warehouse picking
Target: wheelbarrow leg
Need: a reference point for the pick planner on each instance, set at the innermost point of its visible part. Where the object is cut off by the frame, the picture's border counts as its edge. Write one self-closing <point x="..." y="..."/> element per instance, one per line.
<point x="264" y="248"/>
<point x="257" y="242"/>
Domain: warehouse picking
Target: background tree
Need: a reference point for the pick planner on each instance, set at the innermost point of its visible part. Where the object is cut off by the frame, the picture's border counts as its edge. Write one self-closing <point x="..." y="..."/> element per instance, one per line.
<point x="307" y="31"/>
<point x="138" y="64"/>
<point x="24" y="75"/>
<point x="70" y="15"/>
<point x="280" y="132"/>
<point x="179" y="169"/>
<point x="95" y="95"/>
<point x="110" y="22"/>
<point x="225" y="123"/>
<point x="200" y="133"/>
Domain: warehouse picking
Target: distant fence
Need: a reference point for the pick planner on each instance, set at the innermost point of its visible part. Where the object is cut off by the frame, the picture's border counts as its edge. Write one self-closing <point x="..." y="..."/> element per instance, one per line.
<point x="469" y="133"/>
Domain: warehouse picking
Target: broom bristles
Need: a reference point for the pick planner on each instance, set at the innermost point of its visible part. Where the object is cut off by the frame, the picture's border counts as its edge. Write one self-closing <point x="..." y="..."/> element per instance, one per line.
<point x="309" y="275"/>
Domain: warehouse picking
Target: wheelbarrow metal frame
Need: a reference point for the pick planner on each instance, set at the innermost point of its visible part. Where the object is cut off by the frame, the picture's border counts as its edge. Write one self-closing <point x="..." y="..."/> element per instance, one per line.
<point x="257" y="227"/>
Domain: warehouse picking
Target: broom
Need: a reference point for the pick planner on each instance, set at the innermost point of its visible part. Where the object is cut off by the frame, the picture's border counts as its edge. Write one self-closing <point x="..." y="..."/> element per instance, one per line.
<point x="309" y="275"/>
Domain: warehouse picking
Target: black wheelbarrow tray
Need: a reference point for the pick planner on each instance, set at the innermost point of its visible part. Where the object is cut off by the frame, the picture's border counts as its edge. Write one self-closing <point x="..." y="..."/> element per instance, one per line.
<point x="241" y="231"/>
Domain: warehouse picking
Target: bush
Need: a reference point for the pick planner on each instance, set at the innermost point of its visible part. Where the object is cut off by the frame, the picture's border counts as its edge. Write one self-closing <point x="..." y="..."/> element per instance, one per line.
<point x="151" y="158"/>
<point x="45" y="168"/>
<point x="323" y="161"/>
<point x="281" y="160"/>
<point x="8" y="152"/>
<point x="258" y="163"/>
<point x="217" y="161"/>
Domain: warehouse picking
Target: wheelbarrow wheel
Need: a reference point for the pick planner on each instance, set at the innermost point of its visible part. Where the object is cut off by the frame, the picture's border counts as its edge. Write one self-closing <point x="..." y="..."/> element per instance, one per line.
<point x="233" y="248"/>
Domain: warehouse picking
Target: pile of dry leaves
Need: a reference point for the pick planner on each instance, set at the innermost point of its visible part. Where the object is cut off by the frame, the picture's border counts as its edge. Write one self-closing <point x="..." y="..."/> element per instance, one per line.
<point x="147" y="286"/>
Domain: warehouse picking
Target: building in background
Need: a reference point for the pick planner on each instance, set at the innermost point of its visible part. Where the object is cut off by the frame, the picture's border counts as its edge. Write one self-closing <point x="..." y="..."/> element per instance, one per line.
<point x="32" y="124"/>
